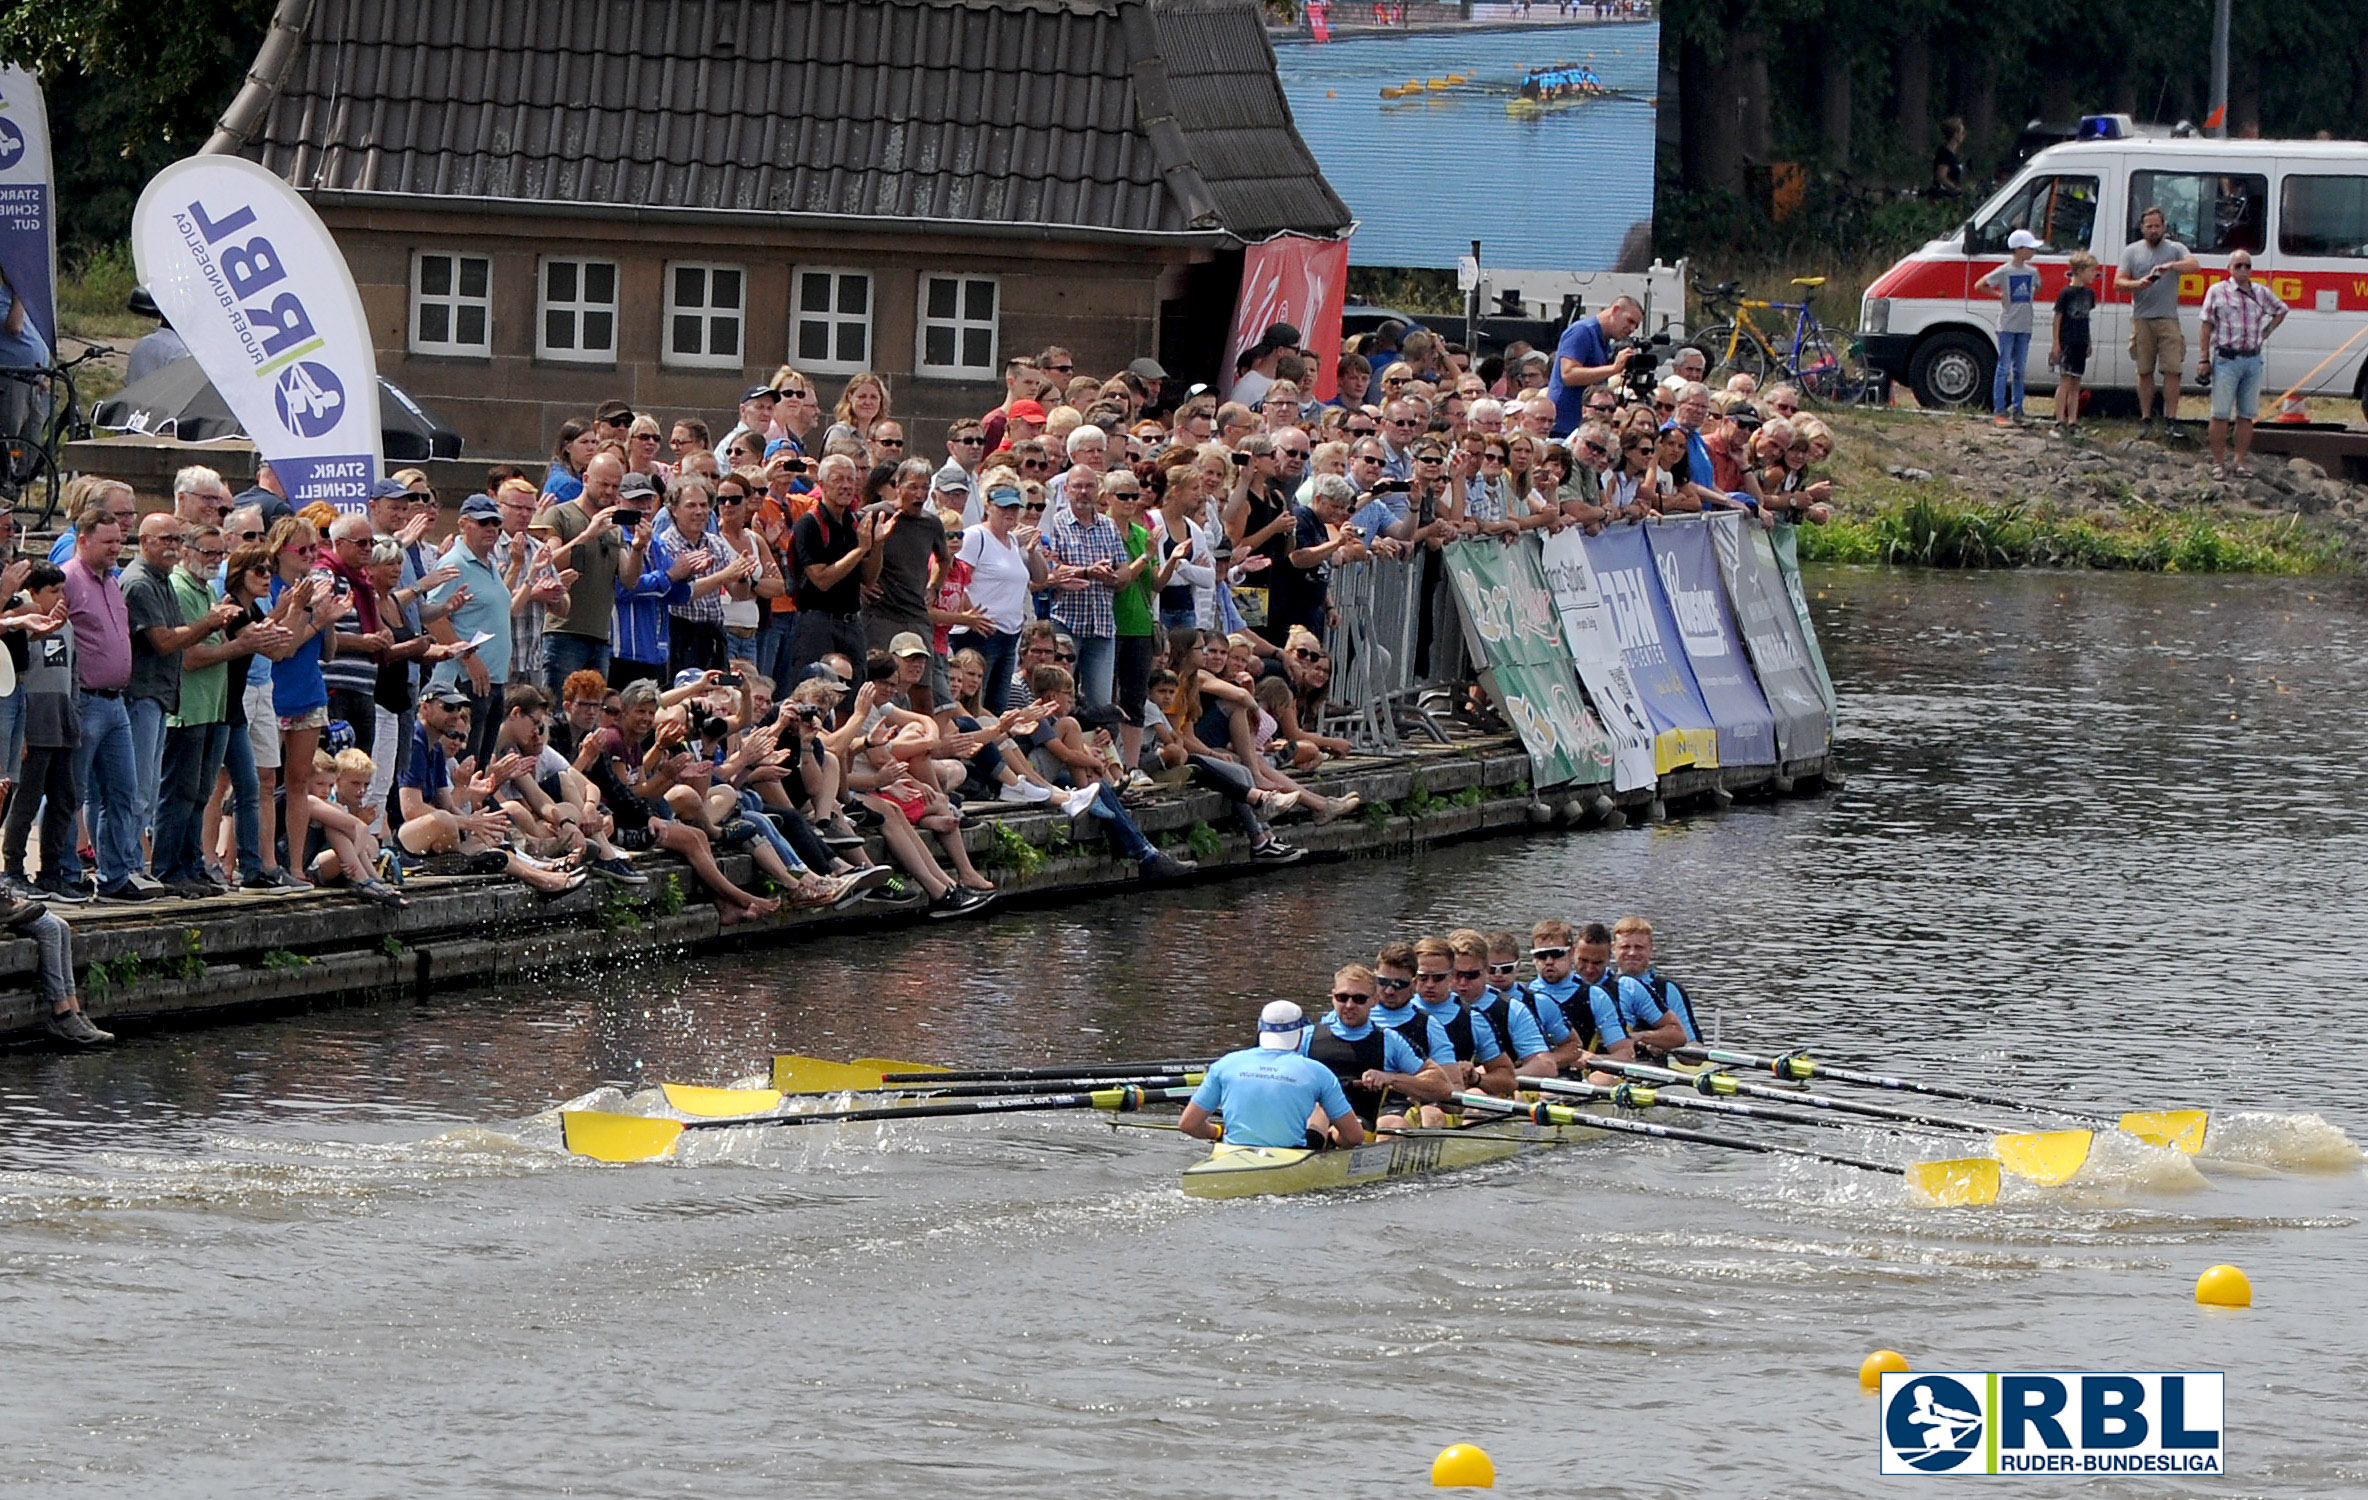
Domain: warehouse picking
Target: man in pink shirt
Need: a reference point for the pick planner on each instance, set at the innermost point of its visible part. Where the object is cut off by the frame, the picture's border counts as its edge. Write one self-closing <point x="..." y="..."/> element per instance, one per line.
<point x="105" y="764"/>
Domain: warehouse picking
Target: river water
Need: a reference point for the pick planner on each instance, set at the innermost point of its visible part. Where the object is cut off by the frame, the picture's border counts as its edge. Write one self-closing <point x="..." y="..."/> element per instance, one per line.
<point x="2103" y="839"/>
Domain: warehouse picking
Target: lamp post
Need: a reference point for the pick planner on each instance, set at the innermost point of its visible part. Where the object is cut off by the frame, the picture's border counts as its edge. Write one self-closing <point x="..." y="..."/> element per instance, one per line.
<point x="2216" y="122"/>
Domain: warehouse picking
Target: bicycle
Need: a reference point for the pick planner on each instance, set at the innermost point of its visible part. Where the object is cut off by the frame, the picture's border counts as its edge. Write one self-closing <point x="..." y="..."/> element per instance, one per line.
<point x="28" y="462"/>
<point x="1808" y="358"/>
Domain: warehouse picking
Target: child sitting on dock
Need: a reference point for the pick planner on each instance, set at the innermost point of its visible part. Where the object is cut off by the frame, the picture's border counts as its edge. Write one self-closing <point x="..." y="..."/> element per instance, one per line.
<point x="351" y="855"/>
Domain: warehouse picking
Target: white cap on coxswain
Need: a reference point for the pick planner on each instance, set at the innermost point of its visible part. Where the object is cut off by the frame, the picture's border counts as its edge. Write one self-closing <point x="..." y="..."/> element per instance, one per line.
<point x="1279" y="1026"/>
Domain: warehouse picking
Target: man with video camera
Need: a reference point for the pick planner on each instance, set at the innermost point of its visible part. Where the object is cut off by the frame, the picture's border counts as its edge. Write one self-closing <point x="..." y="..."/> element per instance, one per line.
<point x="1585" y="356"/>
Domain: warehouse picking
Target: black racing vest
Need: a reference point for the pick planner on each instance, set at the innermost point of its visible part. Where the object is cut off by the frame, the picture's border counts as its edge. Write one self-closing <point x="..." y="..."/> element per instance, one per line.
<point x="1350" y="1061"/>
<point x="1498" y="1013"/>
<point x="1660" y="989"/>
<point x="1578" y="1012"/>
<point x="1459" y="1032"/>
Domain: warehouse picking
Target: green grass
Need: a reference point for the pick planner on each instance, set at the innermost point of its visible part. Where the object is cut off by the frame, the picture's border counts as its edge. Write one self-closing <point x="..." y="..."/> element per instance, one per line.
<point x="91" y="292"/>
<point x="1933" y="530"/>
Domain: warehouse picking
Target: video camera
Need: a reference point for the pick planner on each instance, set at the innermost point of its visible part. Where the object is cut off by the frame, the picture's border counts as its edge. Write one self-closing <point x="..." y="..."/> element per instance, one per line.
<point x="1641" y="375"/>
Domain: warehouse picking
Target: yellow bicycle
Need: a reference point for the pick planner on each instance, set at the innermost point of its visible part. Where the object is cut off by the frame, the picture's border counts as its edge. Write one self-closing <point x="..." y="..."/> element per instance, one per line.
<point x="1804" y="354"/>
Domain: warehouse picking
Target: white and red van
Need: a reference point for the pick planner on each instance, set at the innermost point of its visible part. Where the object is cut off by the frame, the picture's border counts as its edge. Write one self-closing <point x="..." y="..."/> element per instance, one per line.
<point x="2301" y="207"/>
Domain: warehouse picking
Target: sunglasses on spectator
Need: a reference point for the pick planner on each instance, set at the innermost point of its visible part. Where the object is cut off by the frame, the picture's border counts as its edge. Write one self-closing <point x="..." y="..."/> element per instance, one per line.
<point x="889" y="442"/>
<point x="1597" y="449"/>
<point x="1396" y="379"/>
<point x="1387" y="983"/>
<point x="1065" y="658"/>
<point x="1430" y="458"/>
<point x="1126" y="494"/>
<point x="1787" y="408"/>
<point x="213" y="554"/>
<point x="1404" y="422"/>
<point x="1062" y="369"/>
<point x="1035" y="465"/>
<point x="1351" y="997"/>
<point x="455" y="737"/>
<point x="1033" y="508"/>
<point x="1548" y="955"/>
<point x="1364" y="432"/>
<point x="970" y="440"/>
<point x="1306" y="655"/>
<point x="731" y="499"/>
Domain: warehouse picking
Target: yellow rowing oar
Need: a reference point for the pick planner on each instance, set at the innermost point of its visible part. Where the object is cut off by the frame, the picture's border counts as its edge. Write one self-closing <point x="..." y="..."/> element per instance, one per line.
<point x="2178" y="1129"/>
<point x="1961" y="1183"/>
<point x="627" y="1138"/>
<point x="2049" y="1158"/>
<point x="793" y="1074"/>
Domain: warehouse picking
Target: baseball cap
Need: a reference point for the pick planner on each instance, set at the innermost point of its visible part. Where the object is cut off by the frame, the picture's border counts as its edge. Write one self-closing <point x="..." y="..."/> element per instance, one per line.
<point x="821" y="672"/>
<point x="480" y="508"/>
<point x="387" y="489"/>
<point x="2022" y="239"/>
<point x="907" y="643"/>
<point x="1279" y="1026"/>
<point x="612" y="410"/>
<point x="636" y="484"/>
<point x="1147" y="368"/>
<point x="760" y="393"/>
<point x="1003" y="496"/>
<point x="1026" y="411"/>
<point x="446" y="694"/>
<point x="1280" y="336"/>
<point x="951" y="484"/>
<point x="689" y="676"/>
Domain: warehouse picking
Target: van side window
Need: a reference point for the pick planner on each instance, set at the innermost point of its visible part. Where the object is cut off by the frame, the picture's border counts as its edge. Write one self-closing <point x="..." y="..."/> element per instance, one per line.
<point x="2061" y="209"/>
<point x="2324" y="216"/>
<point x="2211" y="213"/>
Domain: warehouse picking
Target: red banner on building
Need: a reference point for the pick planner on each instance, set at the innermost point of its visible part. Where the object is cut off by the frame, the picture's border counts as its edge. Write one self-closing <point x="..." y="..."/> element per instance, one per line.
<point x="1295" y="280"/>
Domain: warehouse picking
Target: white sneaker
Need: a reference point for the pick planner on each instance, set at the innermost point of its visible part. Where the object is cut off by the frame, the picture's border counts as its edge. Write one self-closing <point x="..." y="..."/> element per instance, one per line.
<point x="1139" y="781"/>
<point x="1076" y="802"/>
<point x="1025" y="791"/>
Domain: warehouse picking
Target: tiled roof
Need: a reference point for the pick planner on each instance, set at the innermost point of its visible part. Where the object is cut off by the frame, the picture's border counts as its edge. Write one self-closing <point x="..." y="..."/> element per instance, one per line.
<point x="1127" y="116"/>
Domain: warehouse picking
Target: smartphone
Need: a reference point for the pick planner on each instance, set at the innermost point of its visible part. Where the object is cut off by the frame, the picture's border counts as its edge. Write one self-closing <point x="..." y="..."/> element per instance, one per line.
<point x="1392" y="487"/>
<point x="1241" y="458"/>
<point x="728" y="679"/>
<point x="628" y="519"/>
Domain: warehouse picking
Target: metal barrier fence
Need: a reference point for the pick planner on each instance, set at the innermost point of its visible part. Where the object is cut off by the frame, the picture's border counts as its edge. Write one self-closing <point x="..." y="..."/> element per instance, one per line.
<point x="1375" y="646"/>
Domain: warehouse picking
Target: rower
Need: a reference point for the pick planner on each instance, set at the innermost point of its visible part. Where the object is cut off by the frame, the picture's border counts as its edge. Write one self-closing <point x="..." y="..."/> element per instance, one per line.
<point x="1653" y="1008"/>
<point x="1439" y="971"/>
<point x="1599" y="984"/>
<point x="1504" y="1004"/>
<point x="1267" y="1094"/>
<point x="1560" y="1002"/>
<point x="1372" y="1062"/>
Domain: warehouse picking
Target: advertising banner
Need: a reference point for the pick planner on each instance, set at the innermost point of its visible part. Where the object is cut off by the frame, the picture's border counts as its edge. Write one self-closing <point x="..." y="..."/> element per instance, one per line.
<point x="1786" y="545"/>
<point x="259" y="291"/>
<point x="1595" y="650"/>
<point x="28" y="219"/>
<point x="1292" y="279"/>
<point x="1683" y="732"/>
<point x="1771" y="633"/>
<point x="1509" y="624"/>
<point x="1688" y="567"/>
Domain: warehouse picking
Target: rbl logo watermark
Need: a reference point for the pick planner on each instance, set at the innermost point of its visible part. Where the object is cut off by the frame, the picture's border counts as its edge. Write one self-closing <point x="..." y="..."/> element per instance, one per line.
<point x="2052" y="1423"/>
<point x="12" y="144"/>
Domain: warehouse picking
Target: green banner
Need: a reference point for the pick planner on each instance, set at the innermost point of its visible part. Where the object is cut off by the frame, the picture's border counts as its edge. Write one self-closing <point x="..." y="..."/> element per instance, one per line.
<point x="1788" y="562"/>
<point x="1513" y="631"/>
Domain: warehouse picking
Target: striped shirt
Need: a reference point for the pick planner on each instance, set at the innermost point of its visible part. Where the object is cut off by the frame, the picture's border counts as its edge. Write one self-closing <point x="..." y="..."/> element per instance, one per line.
<point x="1085" y="611"/>
<point x="720" y="556"/>
<point x="2240" y="316"/>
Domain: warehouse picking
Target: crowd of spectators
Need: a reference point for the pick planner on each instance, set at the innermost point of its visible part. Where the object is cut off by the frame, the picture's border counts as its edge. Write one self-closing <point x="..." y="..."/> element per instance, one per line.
<point x="802" y="632"/>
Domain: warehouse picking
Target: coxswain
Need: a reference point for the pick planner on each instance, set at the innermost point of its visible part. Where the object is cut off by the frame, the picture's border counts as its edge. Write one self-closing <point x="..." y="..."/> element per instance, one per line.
<point x="1653" y="1008"/>
<point x="1374" y="1063"/>
<point x="1267" y="1094"/>
<point x="1504" y="1004"/>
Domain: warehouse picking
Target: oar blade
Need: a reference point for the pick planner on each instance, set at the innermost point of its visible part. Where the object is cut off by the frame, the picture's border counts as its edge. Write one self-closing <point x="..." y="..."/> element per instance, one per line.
<point x="2179" y="1129"/>
<point x="607" y="1137"/>
<point x="716" y="1104"/>
<point x="2047" y="1157"/>
<point x="1964" y="1182"/>
<point x="793" y="1074"/>
<point x="892" y="1065"/>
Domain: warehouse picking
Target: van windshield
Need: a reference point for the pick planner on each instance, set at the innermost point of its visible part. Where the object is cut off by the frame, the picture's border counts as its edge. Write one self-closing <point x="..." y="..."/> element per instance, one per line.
<point x="2059" y="207"/>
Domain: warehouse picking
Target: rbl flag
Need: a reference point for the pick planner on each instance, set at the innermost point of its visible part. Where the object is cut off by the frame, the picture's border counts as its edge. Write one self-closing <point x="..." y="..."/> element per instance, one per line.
<point x="28" y="219"/>
<point x="1292" y="279"/>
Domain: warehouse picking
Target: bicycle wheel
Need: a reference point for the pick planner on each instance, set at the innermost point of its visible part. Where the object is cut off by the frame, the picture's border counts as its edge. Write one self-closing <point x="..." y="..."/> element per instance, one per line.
<point x="1823" y="372"/>
<point x="1746" y="357"/>
<point x="29" y="477"/>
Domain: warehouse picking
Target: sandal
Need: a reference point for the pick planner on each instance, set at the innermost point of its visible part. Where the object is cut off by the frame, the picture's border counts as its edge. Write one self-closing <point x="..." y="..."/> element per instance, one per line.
<point x="2219" y="472"/>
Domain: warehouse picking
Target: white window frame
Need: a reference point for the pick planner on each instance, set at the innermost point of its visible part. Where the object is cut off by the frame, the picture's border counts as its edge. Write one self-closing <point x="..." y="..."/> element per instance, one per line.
<point x="704" y="359"/>
<point x="961" y="323"/>
<point x="834" y="319"/>
<point x="452" y="302"/>
<point x="577" y="309"/>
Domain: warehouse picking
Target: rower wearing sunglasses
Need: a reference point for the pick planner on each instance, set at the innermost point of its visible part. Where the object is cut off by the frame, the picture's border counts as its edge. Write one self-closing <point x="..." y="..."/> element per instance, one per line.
<point x="1372" y="1062"/>
<point x="1584" y="1012"/>
<point x="1476" y="1060"/>
<point x="1475" y="983"/>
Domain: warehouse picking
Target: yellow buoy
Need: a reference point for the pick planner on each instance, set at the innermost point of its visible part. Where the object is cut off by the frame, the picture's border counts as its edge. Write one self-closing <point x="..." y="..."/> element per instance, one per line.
<point x="1882" y="1362"/>
<point x="1331" y="93"/>
<point x="2224" y="1286"/>
<point x="1463" y="1467"/>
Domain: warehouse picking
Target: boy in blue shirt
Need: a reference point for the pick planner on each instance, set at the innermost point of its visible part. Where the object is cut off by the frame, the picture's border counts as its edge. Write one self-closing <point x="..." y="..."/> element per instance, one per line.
<point x="2016" y="284"/>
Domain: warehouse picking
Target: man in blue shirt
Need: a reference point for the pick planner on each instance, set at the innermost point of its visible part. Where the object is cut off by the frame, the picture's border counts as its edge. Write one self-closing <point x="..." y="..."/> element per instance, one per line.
<point x="1372" y="1062"/>
<point x="1509" y="1022"/>
<point x="1393" y="982"/>
<point x="478" y="604"/>
<point x="1479" y="1061"/>
<point x="1540" y="1037"/>
<point x="1656" y="1013"/>
<point x="1584" y="356"/>
<point x="1267" y="1094"/>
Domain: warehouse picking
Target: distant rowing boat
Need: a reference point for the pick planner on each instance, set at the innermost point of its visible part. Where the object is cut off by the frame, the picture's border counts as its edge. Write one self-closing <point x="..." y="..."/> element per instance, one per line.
<point x="1522" y="108"/>
<point x="1231" y="1171"/>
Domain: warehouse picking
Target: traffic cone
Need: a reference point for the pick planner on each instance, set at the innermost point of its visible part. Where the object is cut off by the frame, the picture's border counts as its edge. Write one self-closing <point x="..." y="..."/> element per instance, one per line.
<point x="2292" y="409"/>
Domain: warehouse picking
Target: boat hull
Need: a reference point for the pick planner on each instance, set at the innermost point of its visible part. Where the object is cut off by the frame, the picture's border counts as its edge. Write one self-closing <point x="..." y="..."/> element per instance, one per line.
<point x="1231" y="1171"/>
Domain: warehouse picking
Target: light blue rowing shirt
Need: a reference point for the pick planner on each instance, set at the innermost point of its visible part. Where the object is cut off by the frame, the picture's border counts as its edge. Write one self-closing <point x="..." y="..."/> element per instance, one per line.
<point x="1266" y="1095"/>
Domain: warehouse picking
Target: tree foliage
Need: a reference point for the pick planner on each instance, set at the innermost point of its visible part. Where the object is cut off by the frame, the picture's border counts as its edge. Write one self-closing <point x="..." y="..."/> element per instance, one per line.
<point x="132" y="87"/>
